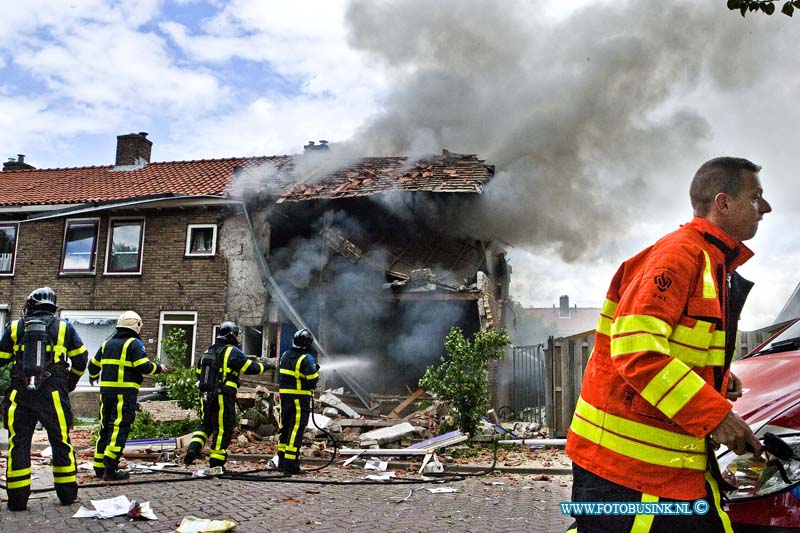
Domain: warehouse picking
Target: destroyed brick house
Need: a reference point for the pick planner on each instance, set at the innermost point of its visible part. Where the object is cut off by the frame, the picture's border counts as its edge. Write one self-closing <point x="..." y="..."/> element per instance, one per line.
<point x="364" y="253"/>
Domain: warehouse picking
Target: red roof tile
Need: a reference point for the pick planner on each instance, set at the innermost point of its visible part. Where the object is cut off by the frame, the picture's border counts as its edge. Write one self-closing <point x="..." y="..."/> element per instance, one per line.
<point x="446" y="173"/>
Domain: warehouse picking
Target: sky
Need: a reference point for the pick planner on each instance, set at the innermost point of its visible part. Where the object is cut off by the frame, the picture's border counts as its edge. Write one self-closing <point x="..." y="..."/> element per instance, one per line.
<point x="595" y="114"/>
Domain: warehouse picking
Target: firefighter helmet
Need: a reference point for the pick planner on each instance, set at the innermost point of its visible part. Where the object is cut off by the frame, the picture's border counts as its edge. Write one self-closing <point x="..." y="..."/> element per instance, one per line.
<point x="229" y="332"/>
<point x="303" y="339"/>
<point x="41" y="299"/>
<point x="130" y="320"/>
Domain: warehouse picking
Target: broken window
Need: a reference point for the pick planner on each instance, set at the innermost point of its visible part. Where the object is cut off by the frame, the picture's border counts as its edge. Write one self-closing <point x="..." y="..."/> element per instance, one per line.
<point x="170" y="321"/>
<point x="201" y="240"/>
<point x="8" y="247"/>
<point x="80" y="246"/>
<point x="124" y="254"/>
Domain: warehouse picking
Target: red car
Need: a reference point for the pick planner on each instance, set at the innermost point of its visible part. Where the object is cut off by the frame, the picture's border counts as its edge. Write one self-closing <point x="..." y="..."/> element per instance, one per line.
<point x="767" y="498"/>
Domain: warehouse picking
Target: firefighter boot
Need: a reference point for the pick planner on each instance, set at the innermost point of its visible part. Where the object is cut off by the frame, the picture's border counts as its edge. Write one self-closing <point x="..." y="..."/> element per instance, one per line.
<point x="192" y="453"/>
<point x="112" y="474"/>
<point x="18" y="499"/>
<point x="216" y="462"/>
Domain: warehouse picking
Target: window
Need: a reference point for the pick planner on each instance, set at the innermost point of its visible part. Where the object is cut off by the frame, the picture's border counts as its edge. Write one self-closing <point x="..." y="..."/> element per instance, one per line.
<point x="3" y="316"/>
<point x="250" y="337"/>
<point x="93" y="327"/>
<point x="178" y="320"/>
<point x="201" y="240"/>
<point x="124" y="254"/>
<point x="80" y="246"/>
<point x="8" y="247"/>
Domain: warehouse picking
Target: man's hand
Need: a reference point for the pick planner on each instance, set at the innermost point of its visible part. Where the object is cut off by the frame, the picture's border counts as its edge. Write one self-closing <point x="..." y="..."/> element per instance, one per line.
<point x="734" y="433"/>
<point x="165" y="369"/>
<point x="269" y="362"/>
<point x="734" y="391"/>
<point x="92" y="381"/>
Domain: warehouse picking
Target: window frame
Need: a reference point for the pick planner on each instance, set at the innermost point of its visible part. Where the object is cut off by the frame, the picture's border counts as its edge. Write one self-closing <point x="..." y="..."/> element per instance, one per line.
<point x="93" y="260"/>
<point x="188" y="252"/>
<point x="162" y="322"/>
<point x="112" y="222"/>
<point x="72" y="315"/>
<point x="5" y="315"/>
<point x="16" y="225"/>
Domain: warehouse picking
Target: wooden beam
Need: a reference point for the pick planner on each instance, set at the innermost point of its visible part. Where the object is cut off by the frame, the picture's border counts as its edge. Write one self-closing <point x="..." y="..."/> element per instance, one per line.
<point x="405" y="403"/>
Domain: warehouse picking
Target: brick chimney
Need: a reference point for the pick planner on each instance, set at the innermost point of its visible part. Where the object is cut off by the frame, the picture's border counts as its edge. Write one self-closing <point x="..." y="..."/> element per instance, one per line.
<point x="133" y="149"/>
<point x="321" y="147"/>
<point x="17" y="164"/>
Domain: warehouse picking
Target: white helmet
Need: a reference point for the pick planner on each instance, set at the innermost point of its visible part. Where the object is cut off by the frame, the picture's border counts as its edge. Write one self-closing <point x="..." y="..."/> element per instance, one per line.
<point x="130" y="320"/>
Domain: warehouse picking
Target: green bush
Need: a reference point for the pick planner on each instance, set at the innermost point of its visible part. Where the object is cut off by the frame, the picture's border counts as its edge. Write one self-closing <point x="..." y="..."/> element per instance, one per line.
<point x="144" y="427"/>
<point x="461" y="377"/>
<point x="181" y="385"/>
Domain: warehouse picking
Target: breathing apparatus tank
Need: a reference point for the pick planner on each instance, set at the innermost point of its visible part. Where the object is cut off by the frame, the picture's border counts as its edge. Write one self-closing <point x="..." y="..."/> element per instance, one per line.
<point x="209" y="371"/>
<point x="35" y="356"/>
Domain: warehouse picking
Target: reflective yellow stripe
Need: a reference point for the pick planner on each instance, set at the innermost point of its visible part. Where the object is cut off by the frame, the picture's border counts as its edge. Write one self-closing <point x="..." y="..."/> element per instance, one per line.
<point x="643" y="522"/>
<point x="220" y="426"/>
<point x="709" y="291"/>
<point x="674" y="449"/>
<point x="62" y="425"/>
<point x="59" y="350"/>
<point x="64" y="479"/>
<point x="12" y="434"/>
<point x="76" y="371"/>
<point x="232" y="384"/>
<point x="296" y="426"/>
<point x="640" y="342"/>
<point x="681" y="394"/>
<point x="315" y="375"/>
<point x="723" y="516"/>
<point x="606" y="316"/>
<point x="112" y="442"/>
<point x="671" y="374"/>
<point x="123" y="384"/>
<point x="62" y="469"/>
<point x="5" y="355"/>
<point x="245" y="366"/>
<point x="640" y="324"/>
<point x="18" y="484"/>
<point x="76" y="351"/>
<point x="20" y="472"/>
<point x="295" y="391"/>
<point x="698" y="337"/>
<point x="636" y="450"/>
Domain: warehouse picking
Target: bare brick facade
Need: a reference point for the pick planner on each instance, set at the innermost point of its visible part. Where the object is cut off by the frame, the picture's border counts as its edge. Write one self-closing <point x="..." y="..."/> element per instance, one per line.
<point x="169" y="281"/>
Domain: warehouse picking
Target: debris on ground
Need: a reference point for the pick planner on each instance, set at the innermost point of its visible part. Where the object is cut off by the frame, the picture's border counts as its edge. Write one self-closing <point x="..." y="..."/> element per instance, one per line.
<point x="192" y="524"/>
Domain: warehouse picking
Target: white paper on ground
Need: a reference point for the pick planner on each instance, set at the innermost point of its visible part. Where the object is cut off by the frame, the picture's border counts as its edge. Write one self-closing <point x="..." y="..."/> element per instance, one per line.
<point x="383" y="476"/>
<point x="442" y="490"/>
<point x="192" y="524"/>
<point x="376" y="464"/>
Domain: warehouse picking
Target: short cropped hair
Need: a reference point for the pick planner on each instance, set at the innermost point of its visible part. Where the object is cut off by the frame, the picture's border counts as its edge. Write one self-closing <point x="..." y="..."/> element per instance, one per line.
<point x="721" y="174"/>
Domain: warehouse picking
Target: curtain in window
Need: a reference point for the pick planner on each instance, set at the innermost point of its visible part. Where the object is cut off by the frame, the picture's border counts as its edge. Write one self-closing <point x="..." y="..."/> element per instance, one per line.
<point x="201" y="240"/>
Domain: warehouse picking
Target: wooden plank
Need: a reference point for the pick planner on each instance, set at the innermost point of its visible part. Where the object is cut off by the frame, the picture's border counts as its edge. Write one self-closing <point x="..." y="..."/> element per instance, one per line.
<point x="405" y="403"/>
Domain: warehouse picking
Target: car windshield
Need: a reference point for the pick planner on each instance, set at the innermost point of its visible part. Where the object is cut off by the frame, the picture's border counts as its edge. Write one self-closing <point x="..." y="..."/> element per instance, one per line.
<point x="789" y="339"/>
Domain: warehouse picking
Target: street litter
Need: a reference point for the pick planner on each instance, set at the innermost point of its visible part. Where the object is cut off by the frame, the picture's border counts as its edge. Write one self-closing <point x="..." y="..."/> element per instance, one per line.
<point x="376" y="464"/>
<point x="441" y="490"/>
<point x="118" y="506"/>
<point x="383" y="476"/>
<point x="151" y="467"/>
<point x="192" y="524"/>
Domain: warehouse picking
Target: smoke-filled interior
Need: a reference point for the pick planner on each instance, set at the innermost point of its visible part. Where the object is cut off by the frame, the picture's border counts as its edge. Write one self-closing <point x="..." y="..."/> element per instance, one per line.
<point x="351" y="268"/>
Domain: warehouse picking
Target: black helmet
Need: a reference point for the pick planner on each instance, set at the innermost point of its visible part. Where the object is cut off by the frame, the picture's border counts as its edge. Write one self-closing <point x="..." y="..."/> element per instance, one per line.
<point x="229" y="332"/>
<point x="42" y="299"/>
<point x="303" y="339"/>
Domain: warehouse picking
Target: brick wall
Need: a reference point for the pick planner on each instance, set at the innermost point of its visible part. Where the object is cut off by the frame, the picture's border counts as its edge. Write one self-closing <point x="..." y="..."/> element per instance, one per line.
<point x="169" y="281"/>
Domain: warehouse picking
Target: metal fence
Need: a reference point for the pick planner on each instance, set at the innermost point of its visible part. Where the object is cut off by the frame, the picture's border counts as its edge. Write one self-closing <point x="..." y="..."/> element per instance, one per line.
<point x="528" y="383"/>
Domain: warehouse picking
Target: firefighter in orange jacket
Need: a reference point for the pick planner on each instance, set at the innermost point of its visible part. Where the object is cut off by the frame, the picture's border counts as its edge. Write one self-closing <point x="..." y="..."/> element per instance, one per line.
<point x="654" y="401"/>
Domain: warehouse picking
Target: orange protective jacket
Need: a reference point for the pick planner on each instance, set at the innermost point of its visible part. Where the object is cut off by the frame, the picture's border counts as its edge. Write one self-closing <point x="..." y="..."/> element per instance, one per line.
<point x="663" y="346"/>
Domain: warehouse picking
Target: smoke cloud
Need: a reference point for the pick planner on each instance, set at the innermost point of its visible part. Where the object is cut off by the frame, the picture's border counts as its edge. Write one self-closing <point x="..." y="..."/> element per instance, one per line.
<point x="583" y="118"/>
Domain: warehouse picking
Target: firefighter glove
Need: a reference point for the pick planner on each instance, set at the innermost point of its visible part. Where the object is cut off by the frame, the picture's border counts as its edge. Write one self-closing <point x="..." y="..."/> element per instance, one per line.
<point x="72" y="381"/>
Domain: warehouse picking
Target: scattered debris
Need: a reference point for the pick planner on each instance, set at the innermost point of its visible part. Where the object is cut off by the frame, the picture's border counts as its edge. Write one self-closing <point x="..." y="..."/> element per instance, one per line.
<point x="329" y="399"/>
<point x="118" y="506"/>
<point x="442" y="490"/>
<point x="192" y="524"/>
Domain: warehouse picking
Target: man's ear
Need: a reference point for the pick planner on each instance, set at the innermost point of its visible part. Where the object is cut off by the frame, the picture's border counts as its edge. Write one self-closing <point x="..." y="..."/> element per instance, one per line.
<point x="721" y="201"/>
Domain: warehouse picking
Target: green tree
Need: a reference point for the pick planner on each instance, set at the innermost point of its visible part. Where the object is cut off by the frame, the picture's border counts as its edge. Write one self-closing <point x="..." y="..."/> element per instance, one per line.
<point x="764" y="6"/>
<point x="181" y="385"/>
<point x="461" y="377"/>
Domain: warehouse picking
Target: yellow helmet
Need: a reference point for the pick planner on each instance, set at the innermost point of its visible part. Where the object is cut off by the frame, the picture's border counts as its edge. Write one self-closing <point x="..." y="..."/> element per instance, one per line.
<point x="130" y="320"/>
